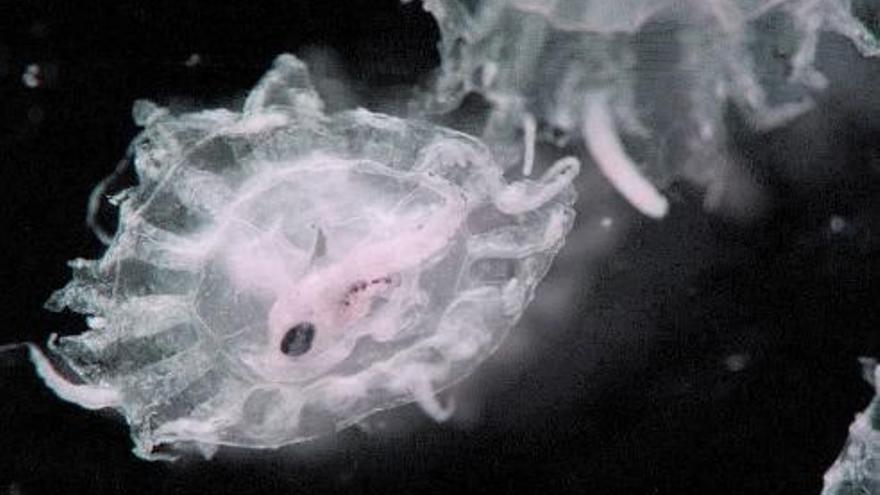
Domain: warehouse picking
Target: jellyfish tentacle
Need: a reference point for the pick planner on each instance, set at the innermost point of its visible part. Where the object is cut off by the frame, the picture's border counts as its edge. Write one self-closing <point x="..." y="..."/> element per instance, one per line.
<point x="527" y="195"/>
<point x="604" y="144"/>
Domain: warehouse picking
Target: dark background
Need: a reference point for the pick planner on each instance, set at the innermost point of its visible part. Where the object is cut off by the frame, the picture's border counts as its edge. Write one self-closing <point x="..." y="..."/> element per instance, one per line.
<point x="637" y="396"/>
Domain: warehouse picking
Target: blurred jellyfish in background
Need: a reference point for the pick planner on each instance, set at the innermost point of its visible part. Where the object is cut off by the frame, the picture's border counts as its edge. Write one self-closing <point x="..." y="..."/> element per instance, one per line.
<point x="644" y="83"/>
<point x="647" y="87"/>
<point x="857" y="469"/>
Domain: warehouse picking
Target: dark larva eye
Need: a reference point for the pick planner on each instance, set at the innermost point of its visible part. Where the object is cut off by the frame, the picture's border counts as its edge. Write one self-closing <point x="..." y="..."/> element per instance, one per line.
<point x="298" y="340"/>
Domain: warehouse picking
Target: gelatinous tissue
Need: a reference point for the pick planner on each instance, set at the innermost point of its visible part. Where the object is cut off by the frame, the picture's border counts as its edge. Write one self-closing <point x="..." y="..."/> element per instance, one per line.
<point x="857" y="469"/>
<point x="279" y="273"/>
<point x="644" y="83"/>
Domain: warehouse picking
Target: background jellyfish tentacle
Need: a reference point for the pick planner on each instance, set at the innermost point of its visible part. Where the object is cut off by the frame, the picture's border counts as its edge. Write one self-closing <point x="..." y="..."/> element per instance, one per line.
<point x="668" y="70"/>
<point x="278" y="273"/>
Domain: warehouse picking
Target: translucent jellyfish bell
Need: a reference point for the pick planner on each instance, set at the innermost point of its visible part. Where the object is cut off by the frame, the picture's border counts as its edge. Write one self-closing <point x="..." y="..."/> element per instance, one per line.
<point x="279" y="273"/>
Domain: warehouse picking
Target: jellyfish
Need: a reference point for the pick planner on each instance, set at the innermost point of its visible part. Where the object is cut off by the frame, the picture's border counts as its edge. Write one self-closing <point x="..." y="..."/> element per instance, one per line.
<point x="857" y="469"/>
<point x="644" y="84"/>
<point x="279" y="273"/>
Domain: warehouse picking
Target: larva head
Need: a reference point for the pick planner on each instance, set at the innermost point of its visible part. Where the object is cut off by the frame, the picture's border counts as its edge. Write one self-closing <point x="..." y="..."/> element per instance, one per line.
<point x="299" y="326"/>
<point x="316" y="318"/>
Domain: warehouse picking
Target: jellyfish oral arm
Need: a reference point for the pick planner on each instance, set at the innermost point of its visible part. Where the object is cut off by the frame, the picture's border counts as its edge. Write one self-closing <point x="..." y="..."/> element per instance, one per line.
<point x="528" y="194"/>
<point x="87" y="396"/>
<point x="607" y="150"/>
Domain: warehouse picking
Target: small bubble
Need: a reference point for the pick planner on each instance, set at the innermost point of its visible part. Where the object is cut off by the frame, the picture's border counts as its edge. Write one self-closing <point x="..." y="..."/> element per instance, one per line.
<point x="193" y="60"/>
<point x="32" y="76"/>
<point x="40" y="75"/>
<point x="736" y="362"/>
<point x="606" y="222"/>
<point x="837" y="224"/>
